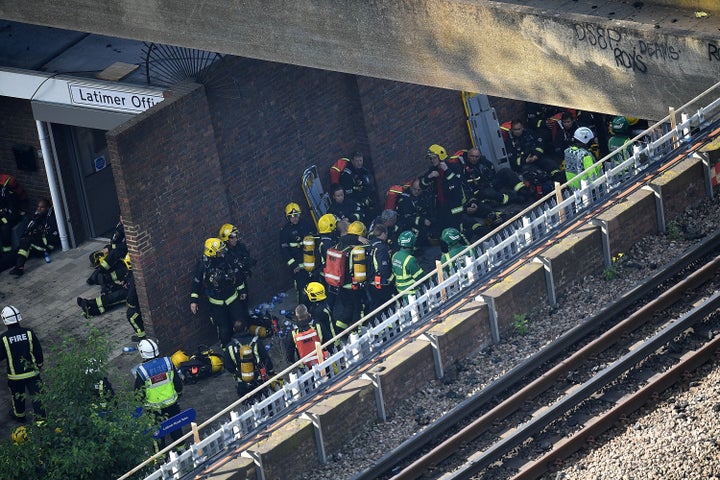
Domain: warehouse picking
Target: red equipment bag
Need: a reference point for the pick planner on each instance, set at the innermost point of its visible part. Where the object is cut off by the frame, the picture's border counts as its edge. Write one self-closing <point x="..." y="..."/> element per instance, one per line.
<point x="335" y="267"/>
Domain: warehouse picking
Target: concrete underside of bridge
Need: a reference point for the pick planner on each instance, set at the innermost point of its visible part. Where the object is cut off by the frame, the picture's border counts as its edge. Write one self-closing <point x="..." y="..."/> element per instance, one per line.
<point x="618" y="57"/>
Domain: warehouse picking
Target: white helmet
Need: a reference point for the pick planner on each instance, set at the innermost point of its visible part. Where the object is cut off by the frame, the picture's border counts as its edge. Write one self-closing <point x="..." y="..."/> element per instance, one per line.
<point x="10" y="315"/>
<point x="584" y="135"/>
<point x="148" y="348"/>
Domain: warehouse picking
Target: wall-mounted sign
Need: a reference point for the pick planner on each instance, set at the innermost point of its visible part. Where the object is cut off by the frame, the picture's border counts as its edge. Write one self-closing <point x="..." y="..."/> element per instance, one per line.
<point x="99" y="163"/>
<point x="116" y="99"/>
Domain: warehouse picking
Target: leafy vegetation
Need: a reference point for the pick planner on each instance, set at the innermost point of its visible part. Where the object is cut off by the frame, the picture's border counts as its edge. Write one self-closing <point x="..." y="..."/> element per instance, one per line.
<point x="86" y="435"/>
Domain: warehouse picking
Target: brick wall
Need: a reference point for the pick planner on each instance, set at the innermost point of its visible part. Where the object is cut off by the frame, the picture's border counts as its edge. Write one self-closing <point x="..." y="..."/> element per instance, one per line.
<point x="17" y="126"/>
<point x="171" y="190"/>
<point x="234" y="151"/>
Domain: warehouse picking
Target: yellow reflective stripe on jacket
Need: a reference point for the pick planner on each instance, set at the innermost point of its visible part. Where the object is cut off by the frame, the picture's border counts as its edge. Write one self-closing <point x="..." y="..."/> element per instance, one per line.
<point x="12" y="374"/>
<point x="227" y="301"/>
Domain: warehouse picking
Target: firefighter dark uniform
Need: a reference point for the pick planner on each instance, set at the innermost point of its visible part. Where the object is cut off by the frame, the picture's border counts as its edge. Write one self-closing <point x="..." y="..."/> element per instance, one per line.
<point x="248" y="362"/>
<point x="448" y="182"/>
<point x="159" y="385"/>
<point x="358" y="184"/>
<point x="351" y="296"/>
<point x="114" y="290"/>
<point x="10" y="209"/>
<point x="40" y="236"/>
<point x="21" y="348"/>
<point x="320" y="310"/>
<point x="522" y="145"/>
<point x="238" y="256"/>
<point x="216" y="277"/>
<point x="405" y="267"/>
<point x="108" y="259"/>
<point x="133" y="313"/>
<point x="415" y="212"/>
<point x="328" y="238"/>
<point x="382" y="280"/>
<point x="291" y="244"/>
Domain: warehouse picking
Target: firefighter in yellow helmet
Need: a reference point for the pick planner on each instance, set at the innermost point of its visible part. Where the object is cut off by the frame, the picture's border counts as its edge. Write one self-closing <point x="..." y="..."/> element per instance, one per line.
<point x="445" y="180"/>
<point x="327" y="238"/>
<point x="215" y="276"/>
<point x="351" y="300"/>
<point x="296" y="228"/>
<point x="239" y="258"/>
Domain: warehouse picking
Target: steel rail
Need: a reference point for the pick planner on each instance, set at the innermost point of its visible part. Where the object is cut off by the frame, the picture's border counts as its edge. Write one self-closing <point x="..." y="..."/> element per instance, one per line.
<point x="623" y="408"/>
<point x="584" y="391"/>
<point x="468" y="407"/>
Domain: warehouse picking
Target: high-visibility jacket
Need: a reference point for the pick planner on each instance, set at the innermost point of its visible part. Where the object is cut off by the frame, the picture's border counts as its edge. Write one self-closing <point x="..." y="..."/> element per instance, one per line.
<point x="158" y="377"/>
<point x="406" y="269"/>
<point x="22" y="350"/>
<point x="577" y="160"/>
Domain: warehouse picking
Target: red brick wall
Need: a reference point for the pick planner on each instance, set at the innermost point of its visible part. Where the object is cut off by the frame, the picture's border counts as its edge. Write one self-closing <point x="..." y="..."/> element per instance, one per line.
<point x="171" y="190"/>
<point x="17" y="126"/>
<point x="235" y="151"/>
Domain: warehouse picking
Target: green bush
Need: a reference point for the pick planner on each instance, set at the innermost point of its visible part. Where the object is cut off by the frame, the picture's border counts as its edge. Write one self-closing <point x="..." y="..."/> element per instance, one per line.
<point x="80" y="439"/>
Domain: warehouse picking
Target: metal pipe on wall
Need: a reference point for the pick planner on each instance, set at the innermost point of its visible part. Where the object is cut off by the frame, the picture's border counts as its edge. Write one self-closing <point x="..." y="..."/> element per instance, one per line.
<point x="52" y="182"/>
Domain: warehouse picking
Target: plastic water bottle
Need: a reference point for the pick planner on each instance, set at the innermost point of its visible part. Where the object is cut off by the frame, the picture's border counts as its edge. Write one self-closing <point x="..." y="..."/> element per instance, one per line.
<point x="47" y="257"/>
<point x="286" y="312"/>
<point x="282" y="294"/>
<point x="129" y="349"/>
<point x="268" y="347"/>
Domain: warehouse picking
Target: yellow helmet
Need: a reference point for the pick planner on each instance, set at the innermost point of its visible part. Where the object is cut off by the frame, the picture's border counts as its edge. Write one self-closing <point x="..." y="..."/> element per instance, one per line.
<point x="356" y="228"/>
<point x="19" y="435"/>
<point x="292" y="208"/>
<point x="214" y="247"/>
<point x="438" y="150"/>
<point x="315" y="291"/>
<point x="327" y="223"/>
<point x="226" y="231"/>
<point x="127" y="261"/>
<point x="632" y="120"/>
<point x="178" y="358"/>
<point x="217" y="363"/>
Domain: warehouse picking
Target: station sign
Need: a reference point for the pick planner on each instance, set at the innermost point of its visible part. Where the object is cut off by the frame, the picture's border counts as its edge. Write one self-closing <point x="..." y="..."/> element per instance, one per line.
<point x="117" y="99"/>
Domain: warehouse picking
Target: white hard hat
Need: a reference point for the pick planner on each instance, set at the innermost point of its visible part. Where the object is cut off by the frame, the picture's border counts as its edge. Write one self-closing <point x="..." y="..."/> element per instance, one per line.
<point x="10" y="315"/>
<point x="148" y="348"/>
<point x="584" y="135"/>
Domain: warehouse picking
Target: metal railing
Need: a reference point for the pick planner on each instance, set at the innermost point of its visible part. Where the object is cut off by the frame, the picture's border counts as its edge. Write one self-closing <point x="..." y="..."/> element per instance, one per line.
<point x="467" y="271"/>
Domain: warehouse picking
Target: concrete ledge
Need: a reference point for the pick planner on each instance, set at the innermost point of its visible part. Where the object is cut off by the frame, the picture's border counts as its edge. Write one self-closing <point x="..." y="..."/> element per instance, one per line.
<point x="338" y="416"/>
<point x="629" y="221"/>
<point x="403" y="372"/>
<point x="462" y="332"/>
<point x="240" y="467"/>
<point x="288" y="452"/>
<point x="575" y="256"/>
<point x="680" y="187"/>
<point x="520" y="292"/>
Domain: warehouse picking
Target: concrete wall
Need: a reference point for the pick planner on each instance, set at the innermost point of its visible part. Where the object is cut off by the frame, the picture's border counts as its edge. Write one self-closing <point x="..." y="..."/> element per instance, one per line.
<point x="581" y="54"/>
<point x="402" y="371"/>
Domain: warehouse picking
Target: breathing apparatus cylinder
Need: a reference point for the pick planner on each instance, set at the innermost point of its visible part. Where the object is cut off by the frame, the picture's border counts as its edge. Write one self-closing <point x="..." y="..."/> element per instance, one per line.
<point x="309" y="253"/>
<point x="247" y="363"/>
<point x="258" y="330"/>
<point x="359" y="264"/>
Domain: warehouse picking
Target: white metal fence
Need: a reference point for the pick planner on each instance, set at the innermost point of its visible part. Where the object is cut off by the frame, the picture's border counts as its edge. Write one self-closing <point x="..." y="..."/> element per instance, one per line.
<point x="375" y="331"/>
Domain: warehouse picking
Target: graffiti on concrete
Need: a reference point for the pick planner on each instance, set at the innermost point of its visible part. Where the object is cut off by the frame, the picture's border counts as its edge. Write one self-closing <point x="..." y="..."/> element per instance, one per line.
<point x="629" y="53"/>
<point x="713" y="52"/>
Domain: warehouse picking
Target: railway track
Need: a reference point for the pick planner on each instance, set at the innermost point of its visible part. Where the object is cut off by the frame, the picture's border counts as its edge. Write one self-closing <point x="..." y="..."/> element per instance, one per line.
<point x="578" y="386"/>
